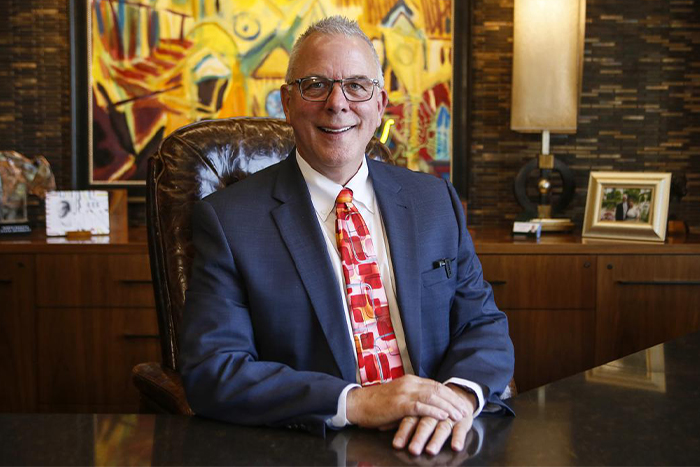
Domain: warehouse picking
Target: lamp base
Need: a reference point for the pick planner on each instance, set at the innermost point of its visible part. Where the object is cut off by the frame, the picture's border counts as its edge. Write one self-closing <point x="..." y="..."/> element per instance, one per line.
<point x="554" y="225"/>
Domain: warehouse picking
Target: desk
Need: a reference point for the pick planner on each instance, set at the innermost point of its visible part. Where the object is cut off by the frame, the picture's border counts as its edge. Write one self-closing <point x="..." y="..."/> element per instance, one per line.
<point x="640" y="410"/>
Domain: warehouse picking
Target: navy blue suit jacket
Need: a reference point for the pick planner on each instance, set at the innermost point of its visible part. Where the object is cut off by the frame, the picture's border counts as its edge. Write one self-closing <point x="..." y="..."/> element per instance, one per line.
<point x="264" y="340"/>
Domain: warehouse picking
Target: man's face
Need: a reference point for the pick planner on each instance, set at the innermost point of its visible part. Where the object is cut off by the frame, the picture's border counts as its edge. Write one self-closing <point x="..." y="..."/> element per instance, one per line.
<point x="332" y="135"/>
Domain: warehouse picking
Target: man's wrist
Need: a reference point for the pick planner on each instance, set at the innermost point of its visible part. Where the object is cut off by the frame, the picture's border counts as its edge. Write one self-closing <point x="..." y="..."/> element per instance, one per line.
<point x="470" y="386"/>
<point x="341" y="417"/>
<point x="466" y="393"/>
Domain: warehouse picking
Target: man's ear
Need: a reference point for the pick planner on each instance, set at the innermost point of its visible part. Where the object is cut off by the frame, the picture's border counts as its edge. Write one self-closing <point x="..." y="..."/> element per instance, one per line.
<point x="382" y="102"/>
<point x="285" y="97"/>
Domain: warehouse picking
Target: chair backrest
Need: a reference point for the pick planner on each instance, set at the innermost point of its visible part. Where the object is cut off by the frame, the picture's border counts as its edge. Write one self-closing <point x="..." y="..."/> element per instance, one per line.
<point x="191" y="163"/>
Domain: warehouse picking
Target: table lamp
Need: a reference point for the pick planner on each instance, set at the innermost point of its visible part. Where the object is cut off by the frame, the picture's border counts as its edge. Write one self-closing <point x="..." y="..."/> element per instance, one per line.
<point x="548" y="37"/>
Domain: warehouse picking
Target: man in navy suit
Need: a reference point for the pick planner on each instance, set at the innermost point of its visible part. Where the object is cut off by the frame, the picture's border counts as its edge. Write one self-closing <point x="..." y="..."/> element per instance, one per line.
<point x="266" y="336"/>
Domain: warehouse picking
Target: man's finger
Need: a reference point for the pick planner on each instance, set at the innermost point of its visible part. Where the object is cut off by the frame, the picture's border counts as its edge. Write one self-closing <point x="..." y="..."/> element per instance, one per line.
<point x="448" y="400"/>
<point x="419" y="409"/>
<point x="459" y="433"/>
<point x="405" y="431"/>
<point x="424" y="430"/>
<point x="443" y="430"/>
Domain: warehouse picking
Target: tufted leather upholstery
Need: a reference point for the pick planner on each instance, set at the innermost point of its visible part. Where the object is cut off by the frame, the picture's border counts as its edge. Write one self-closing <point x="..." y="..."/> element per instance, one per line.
<point x="191" y="163"/>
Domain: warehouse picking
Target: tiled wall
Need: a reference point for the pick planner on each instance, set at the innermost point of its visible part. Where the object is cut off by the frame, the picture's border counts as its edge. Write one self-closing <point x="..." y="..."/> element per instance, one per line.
<point x="35" y="108"/>
<point x="640" y="105"/>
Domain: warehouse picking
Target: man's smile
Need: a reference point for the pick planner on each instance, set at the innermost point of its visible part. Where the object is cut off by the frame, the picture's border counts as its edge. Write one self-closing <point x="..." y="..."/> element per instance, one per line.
<point x="326" y="129"/>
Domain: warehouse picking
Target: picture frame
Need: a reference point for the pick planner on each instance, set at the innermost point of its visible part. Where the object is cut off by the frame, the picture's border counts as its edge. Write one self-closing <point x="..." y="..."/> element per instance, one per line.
<point x="77" y="211"/>
<point x="629" y="206"/>
<point x="109" y="128"/>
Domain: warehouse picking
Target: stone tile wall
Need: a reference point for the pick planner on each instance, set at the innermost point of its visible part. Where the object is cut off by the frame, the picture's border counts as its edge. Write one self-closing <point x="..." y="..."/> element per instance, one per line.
<point x="640" y="104"/>
<point x="640" y="107"/>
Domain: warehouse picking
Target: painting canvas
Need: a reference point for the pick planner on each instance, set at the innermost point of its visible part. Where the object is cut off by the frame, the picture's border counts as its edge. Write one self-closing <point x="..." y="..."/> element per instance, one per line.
<point x="156" y="65"/>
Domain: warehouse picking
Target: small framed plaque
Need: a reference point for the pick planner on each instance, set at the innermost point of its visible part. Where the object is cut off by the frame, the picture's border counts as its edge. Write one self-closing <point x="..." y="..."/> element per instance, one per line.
<point x="77" y="211"/>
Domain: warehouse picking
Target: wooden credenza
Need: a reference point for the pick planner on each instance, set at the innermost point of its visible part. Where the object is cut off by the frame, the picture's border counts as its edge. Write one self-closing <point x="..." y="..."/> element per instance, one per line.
<point x="76" y="317"/>
<point x="573" y="304"/>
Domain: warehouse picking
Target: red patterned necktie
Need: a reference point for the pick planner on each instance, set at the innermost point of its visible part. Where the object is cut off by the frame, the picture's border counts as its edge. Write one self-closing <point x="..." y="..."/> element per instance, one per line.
<point x="378" y="354"/>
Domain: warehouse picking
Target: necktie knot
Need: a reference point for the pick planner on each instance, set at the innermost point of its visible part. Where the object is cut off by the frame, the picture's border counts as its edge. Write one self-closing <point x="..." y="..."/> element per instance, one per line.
<point x="344" y="197"/>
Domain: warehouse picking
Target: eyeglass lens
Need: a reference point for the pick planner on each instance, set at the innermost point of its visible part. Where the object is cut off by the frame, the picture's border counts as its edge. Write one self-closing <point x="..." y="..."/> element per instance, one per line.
<point x="318" y="89"/>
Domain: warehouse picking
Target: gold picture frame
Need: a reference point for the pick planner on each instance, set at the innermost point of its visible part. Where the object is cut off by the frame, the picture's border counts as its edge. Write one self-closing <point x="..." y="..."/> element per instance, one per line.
<point x="627" y="206"/>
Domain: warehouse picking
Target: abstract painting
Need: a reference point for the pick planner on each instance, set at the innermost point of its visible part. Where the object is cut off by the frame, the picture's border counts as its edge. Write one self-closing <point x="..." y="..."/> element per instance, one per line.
<point x="156" y="65"/>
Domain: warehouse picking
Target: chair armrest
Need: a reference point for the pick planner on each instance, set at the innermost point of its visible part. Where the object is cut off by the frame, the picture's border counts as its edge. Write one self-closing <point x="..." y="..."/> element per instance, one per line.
<point x="161" y="389"/>
<point x="511" y="390"/>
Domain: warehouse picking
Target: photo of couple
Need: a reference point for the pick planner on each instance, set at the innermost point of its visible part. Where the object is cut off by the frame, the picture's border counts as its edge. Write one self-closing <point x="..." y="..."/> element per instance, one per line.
<point x="626" y="204"/>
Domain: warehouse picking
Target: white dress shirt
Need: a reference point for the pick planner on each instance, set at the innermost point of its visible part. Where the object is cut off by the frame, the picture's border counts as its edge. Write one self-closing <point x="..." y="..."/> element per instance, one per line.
<point x="323" y="193"/>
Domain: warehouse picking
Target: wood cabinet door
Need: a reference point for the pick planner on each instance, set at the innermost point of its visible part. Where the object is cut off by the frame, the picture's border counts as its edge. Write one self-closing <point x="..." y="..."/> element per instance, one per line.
<point x="550" y="303"/>
<point x="541" y="281"/>
<point x="86" y="356"/>
<point x="17" y="356"/>
<point x="644" y="300"/>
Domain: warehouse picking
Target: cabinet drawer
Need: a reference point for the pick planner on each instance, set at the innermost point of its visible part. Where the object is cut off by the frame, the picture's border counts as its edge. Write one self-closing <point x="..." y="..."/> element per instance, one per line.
<point x="541" y="281"/>
<point x="93" y="280"/>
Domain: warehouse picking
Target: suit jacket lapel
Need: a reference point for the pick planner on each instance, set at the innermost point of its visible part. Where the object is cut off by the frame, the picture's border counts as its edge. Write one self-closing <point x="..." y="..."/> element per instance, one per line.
<point x="400" y="225"/>
<point x="298" y="226"/>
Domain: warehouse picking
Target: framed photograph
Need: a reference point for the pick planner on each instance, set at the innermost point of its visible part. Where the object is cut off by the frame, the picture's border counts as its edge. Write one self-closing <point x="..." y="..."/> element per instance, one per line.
<point x="627" y="206"/>
<point x="77" y="211"/>
<point x="143" y="69"/>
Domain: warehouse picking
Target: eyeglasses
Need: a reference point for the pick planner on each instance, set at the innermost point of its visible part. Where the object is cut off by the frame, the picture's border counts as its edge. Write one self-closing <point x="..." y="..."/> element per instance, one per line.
<point x="317" y="89"/>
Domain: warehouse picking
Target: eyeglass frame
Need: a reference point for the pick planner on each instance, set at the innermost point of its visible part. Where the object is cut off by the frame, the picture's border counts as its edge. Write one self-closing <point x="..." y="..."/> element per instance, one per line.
<point x="374" y="81"/>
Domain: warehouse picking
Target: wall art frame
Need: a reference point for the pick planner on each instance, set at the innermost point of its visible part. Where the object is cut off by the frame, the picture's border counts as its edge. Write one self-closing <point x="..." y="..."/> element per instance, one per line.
<point x="86" y="123"/>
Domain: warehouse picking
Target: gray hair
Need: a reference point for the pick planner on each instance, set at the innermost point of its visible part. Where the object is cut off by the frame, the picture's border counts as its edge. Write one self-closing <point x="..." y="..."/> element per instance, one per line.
<point x="333" y="25"/>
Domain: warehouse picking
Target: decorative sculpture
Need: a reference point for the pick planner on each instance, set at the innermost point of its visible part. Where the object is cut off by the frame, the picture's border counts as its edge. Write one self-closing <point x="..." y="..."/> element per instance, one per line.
<point x="20" y="176"/>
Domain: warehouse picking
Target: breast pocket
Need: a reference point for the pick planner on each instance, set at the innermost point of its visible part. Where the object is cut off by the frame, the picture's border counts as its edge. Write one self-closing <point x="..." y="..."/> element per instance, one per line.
<point x="443" y="270"/>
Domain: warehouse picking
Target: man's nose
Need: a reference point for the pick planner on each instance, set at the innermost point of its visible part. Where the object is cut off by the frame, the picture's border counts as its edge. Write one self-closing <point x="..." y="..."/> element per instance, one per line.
<point x="336" y="99"/>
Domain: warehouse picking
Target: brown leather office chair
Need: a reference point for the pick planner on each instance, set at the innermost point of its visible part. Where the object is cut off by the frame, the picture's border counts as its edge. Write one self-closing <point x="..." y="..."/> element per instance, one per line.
<point x="191" y="163"/>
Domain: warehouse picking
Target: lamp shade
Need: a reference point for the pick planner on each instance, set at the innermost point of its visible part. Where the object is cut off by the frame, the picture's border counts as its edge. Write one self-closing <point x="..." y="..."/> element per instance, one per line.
<point x="548" y="40"/>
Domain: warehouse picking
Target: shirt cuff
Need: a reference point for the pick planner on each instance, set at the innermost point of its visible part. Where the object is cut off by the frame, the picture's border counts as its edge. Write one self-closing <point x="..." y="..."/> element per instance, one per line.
<point x="472" y="387"/>
<point x="340" y="419"/>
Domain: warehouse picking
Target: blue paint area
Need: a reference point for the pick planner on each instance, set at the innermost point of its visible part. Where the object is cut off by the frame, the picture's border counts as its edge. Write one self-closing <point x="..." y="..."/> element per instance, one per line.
<point x="154" y="33"/>
<point x="121" y="13"/>
<point x="442" y="134"/>
<point x="98" y="17"/>
<point x="273" y="104"/>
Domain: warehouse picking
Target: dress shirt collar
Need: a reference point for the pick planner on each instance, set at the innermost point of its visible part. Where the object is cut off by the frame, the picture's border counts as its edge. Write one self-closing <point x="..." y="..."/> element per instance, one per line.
<point x="324" y="191"/>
